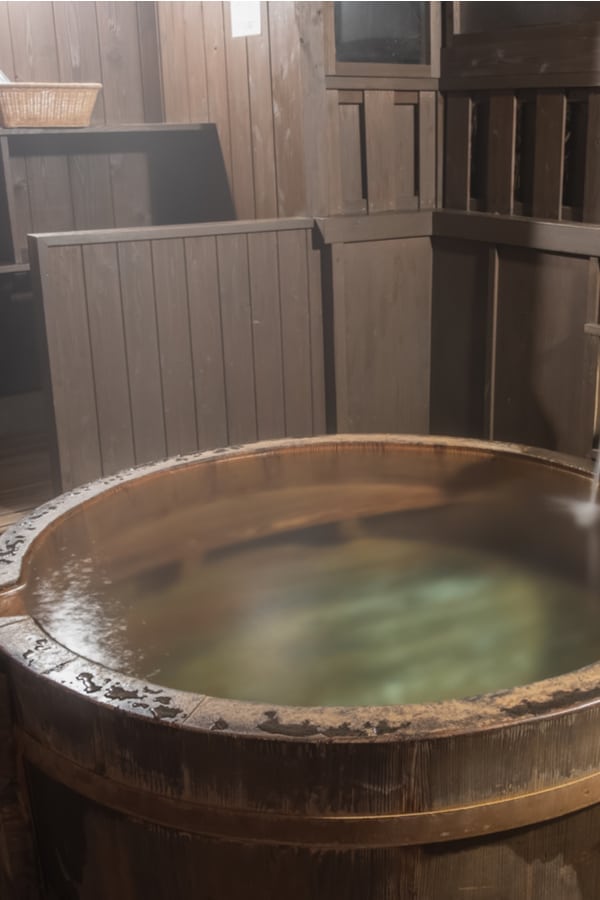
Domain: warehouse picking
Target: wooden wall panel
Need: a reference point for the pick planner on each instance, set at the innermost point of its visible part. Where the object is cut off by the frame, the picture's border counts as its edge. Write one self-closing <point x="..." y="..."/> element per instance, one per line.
<point x="79" y="41"/>
<point x="457" y="169"/>
<point x="381" y="302"/>
<point x="207" y="342"/>
<point x="74" y="395"/>
<point x="542" y="397"/>
<point x="350" y="160"/>
<point x="240" y="124"/>
<point x="109" y="361"/>
<point x="591" y="194"/>
<point x="195" y="337"/>
<point x="549" y="153"/>
<point x="261" y="120"/>
<point x="266" y="329"/>
<point x="458" y="338"/>
<point x="141" y="342"/>
<point x="501" y="155"/>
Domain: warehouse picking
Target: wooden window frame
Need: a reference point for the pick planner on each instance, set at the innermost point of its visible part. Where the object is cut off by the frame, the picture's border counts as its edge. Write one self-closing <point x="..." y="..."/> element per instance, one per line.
<point x="383" y="70"/>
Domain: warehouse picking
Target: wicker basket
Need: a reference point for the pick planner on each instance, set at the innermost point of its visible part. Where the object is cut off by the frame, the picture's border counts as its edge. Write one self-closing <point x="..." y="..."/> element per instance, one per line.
<point x="38" y="105"/>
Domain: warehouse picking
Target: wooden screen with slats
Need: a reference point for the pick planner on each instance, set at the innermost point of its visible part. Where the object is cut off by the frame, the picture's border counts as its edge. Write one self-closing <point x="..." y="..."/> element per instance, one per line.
<point x="164" y="341"/>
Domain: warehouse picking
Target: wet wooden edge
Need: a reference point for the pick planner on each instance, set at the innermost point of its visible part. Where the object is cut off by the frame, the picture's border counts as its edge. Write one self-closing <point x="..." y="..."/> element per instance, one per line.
<point x="25" y="644"/>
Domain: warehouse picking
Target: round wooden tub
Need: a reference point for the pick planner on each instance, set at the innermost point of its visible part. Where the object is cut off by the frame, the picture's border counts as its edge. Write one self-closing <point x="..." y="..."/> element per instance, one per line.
<point x="477" y="784"/>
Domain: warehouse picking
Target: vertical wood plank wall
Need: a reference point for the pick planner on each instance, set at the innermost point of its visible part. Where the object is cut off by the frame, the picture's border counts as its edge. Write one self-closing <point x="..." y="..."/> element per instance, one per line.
<point x="113" y="43"/>
<point x="293" y="143"/>
<point x="180" y="339"/>
<point x="510" y="358"/>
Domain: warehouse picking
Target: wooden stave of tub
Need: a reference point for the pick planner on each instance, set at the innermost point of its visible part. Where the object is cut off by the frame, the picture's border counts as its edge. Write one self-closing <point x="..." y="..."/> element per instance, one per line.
<point x="129" y="790"/>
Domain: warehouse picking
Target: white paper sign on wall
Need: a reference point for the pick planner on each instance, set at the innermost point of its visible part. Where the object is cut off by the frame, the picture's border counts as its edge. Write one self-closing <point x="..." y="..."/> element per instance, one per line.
<point x="245" y="18"/>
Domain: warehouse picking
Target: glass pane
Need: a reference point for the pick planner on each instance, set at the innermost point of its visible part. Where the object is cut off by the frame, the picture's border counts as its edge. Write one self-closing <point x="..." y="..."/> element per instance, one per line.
<point x="382" y="33"/>
<point x="486" y="17"/>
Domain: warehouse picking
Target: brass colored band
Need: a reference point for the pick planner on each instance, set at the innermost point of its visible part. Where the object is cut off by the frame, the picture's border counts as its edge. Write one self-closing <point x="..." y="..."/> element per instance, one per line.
<point x="395" y="830"/>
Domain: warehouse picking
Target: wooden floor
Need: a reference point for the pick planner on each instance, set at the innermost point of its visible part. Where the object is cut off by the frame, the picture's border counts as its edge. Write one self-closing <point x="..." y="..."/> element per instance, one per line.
<point x="24" y="476"/>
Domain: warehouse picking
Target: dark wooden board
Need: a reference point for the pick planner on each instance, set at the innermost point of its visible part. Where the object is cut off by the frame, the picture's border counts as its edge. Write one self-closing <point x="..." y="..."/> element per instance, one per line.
<point x="142" y="348"/>
<point x="458" y="337"/>
<point x="239" y="114"/>
<point x="540" y="373"/>
<point x="458" y="152"/>
<point x="173" y="319"/>
<point x="68" y="341"/>
<point x="286" y="75"/>
<point x="382" y="312"/>
<point x="207" y="341"/>
<point x="501" y="153"/>
<point x="109" y="360"/>
<point x="295" y="333"/>
<point x="267" y="334"/>
<point x="238" y="350"/>
<point x="551" y="107"/>
<point x="261" y="107"/>
<point x="591" y="196"/>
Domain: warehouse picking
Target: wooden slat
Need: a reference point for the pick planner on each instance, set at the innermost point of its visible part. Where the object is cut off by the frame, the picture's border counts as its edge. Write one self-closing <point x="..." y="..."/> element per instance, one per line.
<point x="117" y="35"/>
<point x="501" y="153"/>
<point x="150" y="62"/>
<point x="387" y="338"/>
<point x="376" y="83"/>
<point x="33" y="41"/>
<point x="295" y="332"/>
<point x="350" y="159"/>
<point x="267" y="334"/>
<point x="9" y="238"/>
<point x="6" y="51"/>
<point x="458" y="338"/>
<point x="317" y="345"/>
<point x="77" y="47"/>
<point x="175" y="80"/>
<point x="172" y="316"/>
<point x="589" y="399"/>
<point x="73" y="393"/>
<point x="49" y="190"/>
<point x="404" y="144"/>
<point x="591" y="193"/>
<point x="427" y="149"/>
<point x="141" y="341"/>
<point x="91" y="191"/>
<point x="261" y="108"/>
<point x="550" y="112"/>
<point x="458" y="152"/>
<point x="237" y="337"/>
<point x="540" y="373"/>
<point x="346" y="229"/>
<point x="314" y="106"/>
<point x="109" y="361"/>
<point x="287" y="102"/>
<point x="556" y="237"/>
<point x="207" y="341"/>
<point x="22" y="222"/>
<point x="381" y="152"/>
<point x="131" y="195"/>
<point x="239" y="115"/>
<point x="63" y="239"/>
<point x="216" y="71"/>
<point x="335" y="158"/>
<point x="195" y="55"/>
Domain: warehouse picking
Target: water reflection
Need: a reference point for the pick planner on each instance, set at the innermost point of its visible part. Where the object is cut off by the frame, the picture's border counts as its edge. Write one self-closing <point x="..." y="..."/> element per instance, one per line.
<point x="362" y="579"/>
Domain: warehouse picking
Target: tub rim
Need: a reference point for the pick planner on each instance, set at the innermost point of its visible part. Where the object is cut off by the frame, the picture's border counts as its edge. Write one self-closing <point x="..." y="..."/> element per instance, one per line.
<point x="20" y="634"/>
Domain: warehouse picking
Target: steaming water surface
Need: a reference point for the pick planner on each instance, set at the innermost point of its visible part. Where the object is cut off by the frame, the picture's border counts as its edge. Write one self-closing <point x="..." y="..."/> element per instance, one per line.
<point x="324" y="598"/>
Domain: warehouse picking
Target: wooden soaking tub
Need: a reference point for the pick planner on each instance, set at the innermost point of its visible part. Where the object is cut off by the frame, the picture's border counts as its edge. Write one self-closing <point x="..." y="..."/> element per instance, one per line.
<point x="328" y="668"/>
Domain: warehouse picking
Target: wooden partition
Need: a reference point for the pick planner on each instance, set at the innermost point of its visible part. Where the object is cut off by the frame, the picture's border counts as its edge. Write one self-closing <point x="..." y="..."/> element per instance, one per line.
<point x="166" y="340"/>
<point x="377" y="291"/>
<point x="511" y="360"/>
